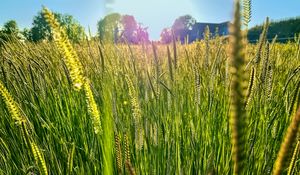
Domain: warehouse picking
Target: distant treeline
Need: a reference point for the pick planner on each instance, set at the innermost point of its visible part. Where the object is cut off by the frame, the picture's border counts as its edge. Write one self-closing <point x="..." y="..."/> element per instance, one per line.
<point x="119" y="28"/>
<point x="284" y="29"/>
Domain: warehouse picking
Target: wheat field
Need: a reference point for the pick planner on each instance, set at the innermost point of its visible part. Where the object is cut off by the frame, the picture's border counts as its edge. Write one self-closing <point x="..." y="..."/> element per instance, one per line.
<point x="101" y="108"/>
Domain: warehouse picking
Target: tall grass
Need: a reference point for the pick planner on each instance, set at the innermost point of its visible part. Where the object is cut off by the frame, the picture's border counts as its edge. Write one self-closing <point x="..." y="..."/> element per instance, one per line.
<point x="238" y="116"/>
<point x="161" y="109"/>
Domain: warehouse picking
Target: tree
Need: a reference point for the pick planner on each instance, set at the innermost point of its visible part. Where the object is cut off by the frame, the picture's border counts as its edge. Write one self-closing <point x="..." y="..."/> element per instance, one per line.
<point x="74" y="30"/>
<point x="182" y="26"/>
<point x="26" y="34"/>
<point x="117" y="28"/>
<point x="142" y="35"/>
<point x="108" y="27"/>
<point x="10" y="30"/>
<point x="166" y="36"/>
<point x="284" y="29"/>
<point x="41" y="30"/>
<point x="130" y="26"/>
<point x="132" y="32"/>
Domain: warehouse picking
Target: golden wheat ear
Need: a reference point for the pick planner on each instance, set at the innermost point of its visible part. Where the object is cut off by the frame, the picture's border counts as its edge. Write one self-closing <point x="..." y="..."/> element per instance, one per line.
<point x="65" y="47"/>
<point x="287" y="145"/>
<point x="126" y="149"/>
<point x="39" y="158"/>
<point x="93" y="108"/>
<point x="137" y="114"/>
<point x="74" y="66"/>
<point x="247" y="12"/>
<point x="21" y="121"/>
<point x="118" y="152"/>
<point x="11" y="105"/>
<point x="238" y="91"/>
<point x="130" y="168"/>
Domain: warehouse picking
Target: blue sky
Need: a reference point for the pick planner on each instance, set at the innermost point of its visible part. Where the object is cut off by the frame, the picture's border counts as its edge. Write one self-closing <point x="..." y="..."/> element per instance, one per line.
<point x="156" y="14"/>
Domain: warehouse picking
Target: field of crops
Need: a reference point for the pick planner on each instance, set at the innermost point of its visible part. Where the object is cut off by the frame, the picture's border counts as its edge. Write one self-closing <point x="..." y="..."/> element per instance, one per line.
<point x="144" y="109"/>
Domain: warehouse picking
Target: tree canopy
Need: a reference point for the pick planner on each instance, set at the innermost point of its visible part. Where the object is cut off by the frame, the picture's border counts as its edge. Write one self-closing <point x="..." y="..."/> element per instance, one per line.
<point x="117" y="28"/>
<point x="40" y="29"/>
<point x="11" y="27"/>
<point x="10" y="30"/>
<point x="284" y="29"/>
<point x="182" y="26"/>
<point x="180" y="29"/>
<point x="108" y="27"/>
<point x="166" y="36"/>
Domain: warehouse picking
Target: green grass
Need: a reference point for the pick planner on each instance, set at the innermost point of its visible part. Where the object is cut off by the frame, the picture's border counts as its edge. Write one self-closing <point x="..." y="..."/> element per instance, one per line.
<point x="184" y="115"/>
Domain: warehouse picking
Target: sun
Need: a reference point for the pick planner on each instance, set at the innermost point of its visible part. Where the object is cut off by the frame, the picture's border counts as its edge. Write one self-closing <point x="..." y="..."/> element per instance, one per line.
<point x="155" y="14"/>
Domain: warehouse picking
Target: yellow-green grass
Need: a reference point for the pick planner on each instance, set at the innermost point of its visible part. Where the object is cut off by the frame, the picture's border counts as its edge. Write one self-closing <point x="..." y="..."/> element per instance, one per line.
<point x="183" y="118"/>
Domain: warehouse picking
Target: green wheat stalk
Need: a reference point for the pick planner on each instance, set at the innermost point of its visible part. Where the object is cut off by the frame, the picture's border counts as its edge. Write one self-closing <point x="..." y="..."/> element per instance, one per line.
<point x="21" y="121"/>
<point x="294" y="159"/>
<point x="137" y="114"/>
<point x="287" y="145"/>
<point x="238" y="88"/>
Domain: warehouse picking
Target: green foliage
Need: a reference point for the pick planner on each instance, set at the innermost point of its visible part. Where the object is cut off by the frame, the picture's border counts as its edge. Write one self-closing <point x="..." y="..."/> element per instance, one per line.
<point x="182" y="25"/>
<point x="187" y="30"/>
<point x="9" y="31"/>
<point x="10" y="28"/>
<point x="108" y="27"/>
<point x="171" y="111"/>
<point x="41" y="31"/>
<point x="185" y="125"/>
<point x="285" y="30"/>
<point x="26" y="34"/>
<point x="185" y="22"/>
<point x="115" y="28"/>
